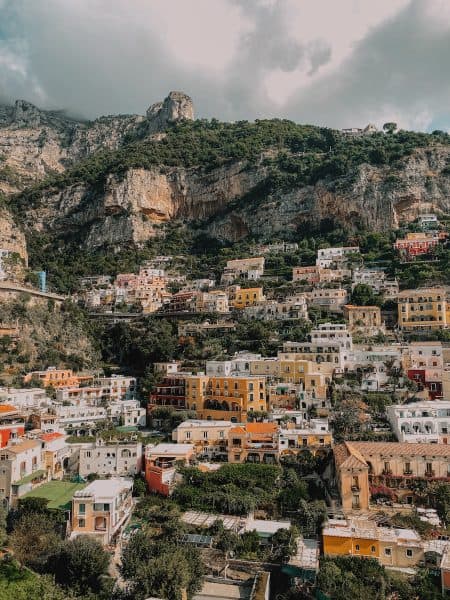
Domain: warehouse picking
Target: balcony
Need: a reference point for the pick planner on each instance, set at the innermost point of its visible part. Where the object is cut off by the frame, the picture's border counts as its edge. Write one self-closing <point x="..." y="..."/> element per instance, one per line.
<point x="387" y="472"/>
<point x="430" y="473"/>
<point x="355" y="488"/>
<point x="407" y="472"/>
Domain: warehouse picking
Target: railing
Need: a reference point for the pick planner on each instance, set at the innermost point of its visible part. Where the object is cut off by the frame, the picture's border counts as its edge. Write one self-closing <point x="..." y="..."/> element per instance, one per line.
<point x="429" y="473"/>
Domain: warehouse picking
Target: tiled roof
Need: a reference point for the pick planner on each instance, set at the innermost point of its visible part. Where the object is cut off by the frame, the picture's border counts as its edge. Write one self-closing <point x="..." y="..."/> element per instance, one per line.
<point x="365" y="449"/>
<point x="261" y="427"/>
<point x="22" y="446"/>
<point x="49" y="437"/>
<point x="4" y="408"/>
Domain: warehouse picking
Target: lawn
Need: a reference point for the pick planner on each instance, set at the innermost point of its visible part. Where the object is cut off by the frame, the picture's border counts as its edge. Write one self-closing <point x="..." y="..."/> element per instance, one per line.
<point x="58" y="493"/>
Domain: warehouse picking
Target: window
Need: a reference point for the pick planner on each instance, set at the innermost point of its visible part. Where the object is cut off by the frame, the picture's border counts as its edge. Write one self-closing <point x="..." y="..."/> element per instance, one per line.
<point x="357" y="547"/>
<point x="81" y="522"/>
<point x="82" y="508"/>
<point x="205" y="435"/>
<point x="188" y="435"/>
<point x="372" y="549"/>
<point x="388" y="551"/>
<point x="221" y="434"/>
<point x="409" y="552"/>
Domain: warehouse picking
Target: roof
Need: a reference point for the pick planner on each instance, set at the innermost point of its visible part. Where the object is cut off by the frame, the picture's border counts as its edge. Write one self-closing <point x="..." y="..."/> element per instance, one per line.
<point x="359" y="451"/>
<point x="23" y="446"/>
<point x="192" y="423"/>
<point x="4" y="408"/>
<point x="261" y="427"/>
<point x="104" y="488"/>
<point x="50" y="437"/>
<point x="169" y="449"/>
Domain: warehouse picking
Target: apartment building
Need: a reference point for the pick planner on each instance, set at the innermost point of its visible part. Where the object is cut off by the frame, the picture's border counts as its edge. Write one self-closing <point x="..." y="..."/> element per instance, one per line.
<point x="419" y="243"/>
<point x="312" y="434"/>
<point x="232" y="398"/>
<point x="187" y="329"/>
<point x="209" y="438"/>
<point x="331" y="299"/>
<point x="364" y="320"/>
<point x="293" y="307"/>
<point x="421" y="422"/>
<point x="114" y="457"/>
<point x="332" y="257"/>
<point x="105" y="389"/>
<point x="246" y="268"/>
<point x="392" y="547"/>
<point x="25" y="399"/>
<point x="171" y="391"/>
<point x="12" y="424"/>
<point x="214" y="301"/>
<point x="253" y="442"/>
<point x="21" y="470"/>
<point x="376" y="280"/>
<point x="314" y="275"/>
<point x="423" y="309"/>
<point x="364" y="467"/>
<point x="101" y="509"/>
<point x="239" y="298"/>
<point x="53" y="377"/>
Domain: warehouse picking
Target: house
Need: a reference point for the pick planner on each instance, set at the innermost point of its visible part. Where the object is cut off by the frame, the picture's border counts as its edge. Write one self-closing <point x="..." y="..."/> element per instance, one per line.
<point x="214" y="301"/>
<point x="115" y="457"/>
<point x="392" y="547"/>
<point x="423" y="309"/>
<point x="25" y="398"/>
<point x="363" y="320"/>
<point x="331" y="299"/>
<point x="312" y="434"/>
<point x="245" y="268"/>
<point x="418" y="244"/>
<point x="232" y="398"/>
<point x="239" y="297"/>
<point x="376" y="280"/>
<point x="55" y="454"/>
<point x="253" y="442"/>
<point x="421" y="422"/>
<point x="366" y="468"/>
<point x="12" y="424"/>
<point x="101" y="509"/>
<point x="335" y="257"/>
<point x="209" y="438"/>
<point x="53" y="377"/>
<point x="161" y="462"/>
<point x="21" y="469"/>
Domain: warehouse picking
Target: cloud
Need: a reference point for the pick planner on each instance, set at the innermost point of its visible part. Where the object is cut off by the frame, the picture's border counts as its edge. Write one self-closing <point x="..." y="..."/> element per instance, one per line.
<point x="318" y="61"/>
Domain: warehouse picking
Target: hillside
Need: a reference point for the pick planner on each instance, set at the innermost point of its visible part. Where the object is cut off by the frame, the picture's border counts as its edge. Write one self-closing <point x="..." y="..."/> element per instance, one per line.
<point x="116" y="184"/>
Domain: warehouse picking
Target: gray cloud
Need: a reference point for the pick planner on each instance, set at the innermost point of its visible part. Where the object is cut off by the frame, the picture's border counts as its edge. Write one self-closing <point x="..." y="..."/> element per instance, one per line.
<point x="95" y="57"/>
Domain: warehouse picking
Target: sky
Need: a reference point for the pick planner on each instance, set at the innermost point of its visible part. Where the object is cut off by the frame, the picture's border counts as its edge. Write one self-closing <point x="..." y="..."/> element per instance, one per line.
<point x="338" y="63"/>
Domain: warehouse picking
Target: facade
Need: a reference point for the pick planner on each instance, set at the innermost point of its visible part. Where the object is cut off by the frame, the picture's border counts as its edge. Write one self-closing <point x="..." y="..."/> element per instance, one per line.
<point x="55" y="454"/>
<point x="313" y="434"/>
<point x="21" y="470"/>
<point x="161" y="463"/>
<point x="116" y="458"/>
<point x="26" y="398"/>
<point x="12" y="424"/>
<point x="421" y="422"/>
<point x="239" y="297"/>
<point x="246" y="268"/>
<point x="253" y="442"/>
<point x="392" y="547"/>
<point x="215" y="301"/>
<point x="101" y="509"/>
<point x="56" y="378"/>
<point x="329" y="257"/>
<point x="332" y="299"/>
<point x="209" y="438"/>
<point x="365" y="468"/>
<point x="417" y="244"/>
<point x="364" y="320"/>
<point x="294" y="307"/>
<point x="376" y="280"/>
<point x="423" y="309"/>
<point x="232" y="398"/>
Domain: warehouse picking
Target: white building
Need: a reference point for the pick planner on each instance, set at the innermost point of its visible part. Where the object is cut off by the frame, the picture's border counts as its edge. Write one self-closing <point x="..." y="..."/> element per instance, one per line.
<point x="26" y="398"/>
<point x="117" y="458"/>
<point x="21" y="469"/>
<point x="332" y="299"/>
<point x="327" y="257"/>
<point x="376" y="280"/>
<point x="332" y="333"/>
<point x="421" y="422"/>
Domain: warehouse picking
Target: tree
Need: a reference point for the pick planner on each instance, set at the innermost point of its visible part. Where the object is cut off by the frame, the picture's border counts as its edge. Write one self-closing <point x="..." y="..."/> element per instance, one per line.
<point x="34" y="539"/>
<point x="441" y="498"/>
<point x="363" y="295"/>
<point x="284" y="544"/>
<point x="390" y="127"/>
<point x="81" y="565"/>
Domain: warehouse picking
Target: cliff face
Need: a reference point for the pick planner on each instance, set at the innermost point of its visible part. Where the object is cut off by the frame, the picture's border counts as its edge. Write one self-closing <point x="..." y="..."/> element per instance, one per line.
<point x="132" y="209"/>
<point x="35" y="143"/>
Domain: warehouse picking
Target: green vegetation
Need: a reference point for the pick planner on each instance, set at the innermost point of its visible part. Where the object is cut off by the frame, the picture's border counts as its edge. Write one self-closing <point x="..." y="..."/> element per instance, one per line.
<point x="22" y="584"/>
<point x="58" y="493"/>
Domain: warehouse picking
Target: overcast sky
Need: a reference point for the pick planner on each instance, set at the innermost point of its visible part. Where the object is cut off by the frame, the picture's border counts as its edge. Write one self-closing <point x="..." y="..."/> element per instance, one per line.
<point x="330" y="62"/>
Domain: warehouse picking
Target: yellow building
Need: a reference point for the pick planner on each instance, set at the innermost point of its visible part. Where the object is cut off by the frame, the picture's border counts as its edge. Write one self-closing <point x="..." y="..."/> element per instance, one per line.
<point x="313" y="435"/>
<point x="242" y="297"/>
<point x="253" y="442"/>
<point x="101" y="508"/>
<point x="231" y="398"/>
<point x="398" y="548"/>
<point x="393" y="467"/>
<point x="424" y="308"/>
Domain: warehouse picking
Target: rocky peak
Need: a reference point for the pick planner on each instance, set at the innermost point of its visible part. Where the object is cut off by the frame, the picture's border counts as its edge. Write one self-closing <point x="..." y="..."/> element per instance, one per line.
<point x="178" y="106"/>
<point x="25" y="113"/>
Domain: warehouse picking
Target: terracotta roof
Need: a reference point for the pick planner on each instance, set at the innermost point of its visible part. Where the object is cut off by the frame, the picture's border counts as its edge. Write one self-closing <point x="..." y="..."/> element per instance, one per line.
<point x="261" y="427"/>
<point x="7" y="408"/>
<point x="237" y="430"/>
<point x="400" y="448"/>
<point x="49" y="437"/>
<point x="347" y="455"/>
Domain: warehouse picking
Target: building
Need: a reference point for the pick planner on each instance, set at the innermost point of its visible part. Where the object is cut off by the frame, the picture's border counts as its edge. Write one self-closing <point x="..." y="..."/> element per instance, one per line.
<point x="313" y="275"/>
<point x="366" y="468"/>
<point x="114" y="457"/>
<point x="101" y="509"/>
<point x="392" y="547"/>
<point x="253" y="442"/>
<point x="239" y="297"/>
<point x="188" y="329"/>
<point x="335" y="257"/>
<point x="171" y="391"/>
<point x="423" y="309"/>
<point x="376" y="280"/>
<point x="209" y="438"/>
<point x="53" y="377"/>
<point x="292" y="307"/>
<point x="214" y="301"/>
<point x="105" y="389"/>
<point x="55" y="454"/>
<point x="421" y="422"/>
<point x="312" y="434"/>
<point x="363" y="320"/>
<point x="331" y="299"/>
<point x="243" y="268"/>
<point x="12" y="424"/>
<point x="418" y="244"/>
<point x="161" y="462"/>
<point x="429" y="221"/>
<point x="26" y="398"/>
<point x="21" y="469"/>
<point x="232" y="398"/>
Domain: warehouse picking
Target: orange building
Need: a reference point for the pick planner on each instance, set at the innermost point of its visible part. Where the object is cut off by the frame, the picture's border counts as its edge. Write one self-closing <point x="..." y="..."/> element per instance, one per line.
<point x="57" y="378"/>
<point x="241" y="297"/>
<point x="253" y="442"/>
<point x="161" y="462"/>
<point x="12" y="424"/>
<point x="232" y="398"/>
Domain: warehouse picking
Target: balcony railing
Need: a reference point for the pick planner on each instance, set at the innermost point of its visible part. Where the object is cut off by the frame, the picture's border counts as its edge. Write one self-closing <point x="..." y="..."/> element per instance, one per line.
<point x="429" y="473"/>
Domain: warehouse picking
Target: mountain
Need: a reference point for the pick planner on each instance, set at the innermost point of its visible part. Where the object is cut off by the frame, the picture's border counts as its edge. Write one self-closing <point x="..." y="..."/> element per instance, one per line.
<point x="118" y="182"/>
